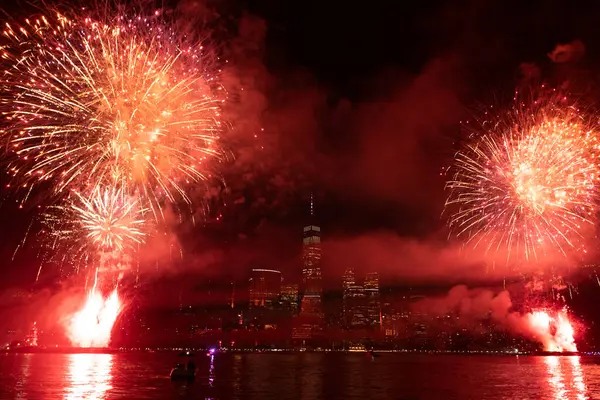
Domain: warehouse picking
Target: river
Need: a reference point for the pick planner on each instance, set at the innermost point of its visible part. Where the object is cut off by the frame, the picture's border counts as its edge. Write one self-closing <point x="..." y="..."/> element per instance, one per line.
<point x="299" y="376"/>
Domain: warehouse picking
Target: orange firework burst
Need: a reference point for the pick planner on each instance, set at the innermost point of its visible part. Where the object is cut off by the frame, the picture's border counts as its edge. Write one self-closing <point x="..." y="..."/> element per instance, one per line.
<point x="125" y="101"/>
<point x="527" y="184"/>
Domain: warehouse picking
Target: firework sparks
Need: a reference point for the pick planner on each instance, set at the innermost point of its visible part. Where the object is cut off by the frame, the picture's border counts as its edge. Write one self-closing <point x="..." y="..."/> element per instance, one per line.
<point x="528" y="187"/>
<point x="92" y="325"/>
<point x="106" y="220"/>
<point x="89" y="102"/>
<point x="110" y="220"/>
<point x="555" y="333"/>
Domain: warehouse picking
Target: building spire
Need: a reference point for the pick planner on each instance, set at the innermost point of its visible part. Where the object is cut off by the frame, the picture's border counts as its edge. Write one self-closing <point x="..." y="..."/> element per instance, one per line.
<point x="312" y="204"/>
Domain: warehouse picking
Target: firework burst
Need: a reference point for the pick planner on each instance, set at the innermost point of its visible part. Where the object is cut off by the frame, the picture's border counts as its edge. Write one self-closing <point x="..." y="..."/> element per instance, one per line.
<point x="114" y="117"/>
<point x="89" y="103"/>
<point x="108" y="220"/>
<point x="526" y="185"/>
<point x="111" y="220"/>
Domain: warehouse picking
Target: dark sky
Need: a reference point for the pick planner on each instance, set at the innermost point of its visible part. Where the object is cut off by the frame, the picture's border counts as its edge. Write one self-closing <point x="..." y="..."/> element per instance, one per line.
<point x="360" y="103"/>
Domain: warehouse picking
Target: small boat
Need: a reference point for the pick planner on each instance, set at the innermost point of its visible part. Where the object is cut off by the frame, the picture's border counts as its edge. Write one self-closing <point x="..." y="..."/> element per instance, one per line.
<point x="181" y="373"/>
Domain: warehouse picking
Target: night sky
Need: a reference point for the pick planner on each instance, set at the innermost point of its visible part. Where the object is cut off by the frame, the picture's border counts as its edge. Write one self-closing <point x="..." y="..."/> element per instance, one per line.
<point x="359" y="103"/>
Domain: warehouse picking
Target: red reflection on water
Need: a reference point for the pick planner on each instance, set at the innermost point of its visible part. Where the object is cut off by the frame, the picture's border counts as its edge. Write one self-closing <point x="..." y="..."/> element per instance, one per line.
<point x="211" y="371"/>
<point x="23" y="378"/>
<point x="555" y="379"/>
<point x="90" y="376"/>
<point x="566" y="377"/>
<point x="578" y="382"/>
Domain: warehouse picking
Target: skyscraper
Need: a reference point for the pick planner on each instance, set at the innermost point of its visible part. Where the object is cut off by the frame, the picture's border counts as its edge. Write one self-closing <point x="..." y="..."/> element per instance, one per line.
<point x="354" y="301"/>
<point x="289" y="297"/>
<point x="308" y="323"/>
<point x="312" y="286"/>
<point x="373" y="300"/>
<point x="348" y="281"/>
<point x="265" y="287"/>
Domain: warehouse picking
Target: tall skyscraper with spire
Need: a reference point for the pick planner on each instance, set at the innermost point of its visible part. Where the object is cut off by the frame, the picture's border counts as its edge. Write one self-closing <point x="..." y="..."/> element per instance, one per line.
<point x="312" y="284"/>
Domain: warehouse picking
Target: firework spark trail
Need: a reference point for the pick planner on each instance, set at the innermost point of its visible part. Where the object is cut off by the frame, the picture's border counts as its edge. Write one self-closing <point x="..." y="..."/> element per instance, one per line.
<point x="89" y="103"/>
<point x="528" y="187"/>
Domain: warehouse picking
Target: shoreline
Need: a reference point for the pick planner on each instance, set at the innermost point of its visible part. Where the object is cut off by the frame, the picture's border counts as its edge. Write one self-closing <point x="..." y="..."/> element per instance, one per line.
<point x="202" y="352"/>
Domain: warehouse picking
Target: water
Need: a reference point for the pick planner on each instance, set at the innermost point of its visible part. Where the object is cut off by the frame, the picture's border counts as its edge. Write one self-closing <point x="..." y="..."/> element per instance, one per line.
<point x="299" y="376"/>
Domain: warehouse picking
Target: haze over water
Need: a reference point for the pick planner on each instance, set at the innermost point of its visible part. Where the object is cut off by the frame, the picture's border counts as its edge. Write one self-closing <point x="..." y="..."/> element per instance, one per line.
<point x="299" y="376"/>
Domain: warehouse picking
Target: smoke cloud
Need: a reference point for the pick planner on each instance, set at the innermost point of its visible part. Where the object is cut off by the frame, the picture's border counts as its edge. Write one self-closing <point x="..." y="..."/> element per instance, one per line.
<point x="402" y="137"/>
<point x="410" y="259"/>
<point x="552" y="329"/>
<point x="471" y="304"/>
<point x="568" y="53"/>
<point x="50" y="308"/>
<point x="429" y="259"/>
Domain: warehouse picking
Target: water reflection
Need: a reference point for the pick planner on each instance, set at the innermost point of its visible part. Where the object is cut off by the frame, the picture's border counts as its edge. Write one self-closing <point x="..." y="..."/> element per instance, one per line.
<point x="555" y="379"/>
<point x="90" y="376"/>
<point x="24" y="377"/>
<point x="565" y="378"/>
<point x="311" y="378"/>
<point x="236" y="373"/>
<point x="211" y="371"/>
<point x="578" y="382"/>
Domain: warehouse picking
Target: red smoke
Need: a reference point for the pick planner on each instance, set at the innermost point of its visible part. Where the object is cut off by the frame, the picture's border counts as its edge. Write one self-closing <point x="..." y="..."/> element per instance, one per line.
<point x="552" y="329"/>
